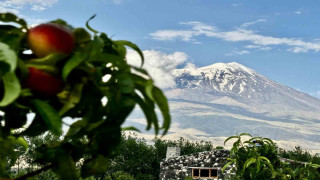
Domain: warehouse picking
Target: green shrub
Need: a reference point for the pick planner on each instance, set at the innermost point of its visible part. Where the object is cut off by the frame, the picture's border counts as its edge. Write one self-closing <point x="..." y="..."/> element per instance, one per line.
<point x="188" y="178"/>
<point x="258" y="158"/>
<point x="219" y="147"/>
<point x="255" y="158"/>
<point x="120" y="175"/>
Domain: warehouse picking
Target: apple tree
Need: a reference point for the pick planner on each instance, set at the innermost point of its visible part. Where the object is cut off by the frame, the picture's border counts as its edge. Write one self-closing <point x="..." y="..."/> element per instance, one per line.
<point x="56" y="71"/>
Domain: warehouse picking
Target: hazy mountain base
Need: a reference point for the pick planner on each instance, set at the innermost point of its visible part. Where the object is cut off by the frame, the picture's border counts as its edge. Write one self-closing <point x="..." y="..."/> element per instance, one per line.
<point x="214" y="122"/>
<point x="218" y="141"/>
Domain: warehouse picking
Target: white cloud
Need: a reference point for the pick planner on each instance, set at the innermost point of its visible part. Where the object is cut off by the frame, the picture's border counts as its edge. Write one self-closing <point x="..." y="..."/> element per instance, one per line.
<point x="4" y="8"/>
<point x="263" y="48"/>
<point x="298" y="50"/>
<point x="172" y="34"/>
<point x="242" y="52"/>
<point x="237" y="52"/>
<point x="15" y="6"/>
<point x="253" y="22"/>
<point x="159" y="65"/>
<point x="239" y="35"/>
<point x="298" y="12"/>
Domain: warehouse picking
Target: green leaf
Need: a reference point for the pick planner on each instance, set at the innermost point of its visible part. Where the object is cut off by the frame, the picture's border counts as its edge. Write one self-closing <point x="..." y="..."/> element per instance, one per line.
<point x="248" y="142"/>
<point x="258" y="165"/>
<point x="12" y="36"/>
<point x="96" y="48"/>
<point x="12" y="88"/>
<point x="8" y="56"/>
<point x="140" y="70"/>
<point x="9" y="17"/>
<point x="249" y="162"/>
<point x="149" y="112"/>
<point x="121" y="51"/>
<point x="22" y="142"/>
<point x="51" y="59"/>
<point x="245" y="134"/>
<point x="49" y="115"/>
<point x="73" y="62"/>
<point x="149" y="88"/>
<point x="131" y="128"/>
<point x="268" y="140"/>
<point x="134" y="47"/>
<point x="228" y="164"/>
<point x="126" y="83"/>
<point x="73" y="98"/>
<point x="163" y="105"/>
<point x="75" y="128"/>
<point x="8" y="156"/>
<point x="264" y="158"/>
<point x="61" y="22"/>
<point x="94" y="125"/>
<point x="81" y="35"/>
<point x="89" y="27"/>
<point x="231" y="137"/>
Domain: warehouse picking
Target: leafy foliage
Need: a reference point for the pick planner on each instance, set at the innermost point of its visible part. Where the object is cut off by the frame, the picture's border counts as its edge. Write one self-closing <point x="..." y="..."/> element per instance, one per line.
<point x="133" y="156"/>
<point x="298" y="154"/>
<point x="96" y="132"/>
<point x="142" y="160"/>
<point x="119" y="175"/>
<point x="259" y="158"/>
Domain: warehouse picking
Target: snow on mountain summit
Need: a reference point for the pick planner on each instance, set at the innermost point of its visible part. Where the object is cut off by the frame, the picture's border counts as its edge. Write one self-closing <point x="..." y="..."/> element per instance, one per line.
<point x="217" y="66"/>
<point x="222" y="77"/>
<point x="240" y="83"/>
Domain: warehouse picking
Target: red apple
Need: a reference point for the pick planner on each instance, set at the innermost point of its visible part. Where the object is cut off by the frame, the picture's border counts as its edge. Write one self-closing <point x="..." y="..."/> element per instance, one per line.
<point x="49" y="38"/>
<point x="43" y="83"/>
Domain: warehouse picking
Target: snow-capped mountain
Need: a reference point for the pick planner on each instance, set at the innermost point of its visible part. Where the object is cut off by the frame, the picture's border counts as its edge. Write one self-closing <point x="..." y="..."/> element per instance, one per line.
<point x="242" y="84"/>
<point x="222" y="99"/>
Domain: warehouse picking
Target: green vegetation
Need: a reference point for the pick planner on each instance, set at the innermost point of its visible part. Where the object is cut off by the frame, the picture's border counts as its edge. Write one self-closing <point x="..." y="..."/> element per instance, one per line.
<point x="133" y="157"/>
<point x="259" y="158"/>
<point x="142" y="160"/>
<point x="119" y="175"/>
<point x="67" y="74"/>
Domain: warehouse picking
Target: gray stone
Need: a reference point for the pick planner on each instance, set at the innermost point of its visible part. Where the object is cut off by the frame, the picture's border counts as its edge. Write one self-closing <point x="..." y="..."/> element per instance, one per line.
<point x="181" y="166"/>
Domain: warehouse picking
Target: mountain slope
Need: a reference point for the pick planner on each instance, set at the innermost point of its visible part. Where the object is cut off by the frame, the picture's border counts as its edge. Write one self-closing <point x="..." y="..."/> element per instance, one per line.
<point x="222" y="99"/>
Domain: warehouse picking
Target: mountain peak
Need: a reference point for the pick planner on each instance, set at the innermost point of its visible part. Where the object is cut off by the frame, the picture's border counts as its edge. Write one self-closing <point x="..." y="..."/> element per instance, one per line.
<point x="225" y="67"/>
<point x="239" y="82"/>
<point x="231" y="66"/>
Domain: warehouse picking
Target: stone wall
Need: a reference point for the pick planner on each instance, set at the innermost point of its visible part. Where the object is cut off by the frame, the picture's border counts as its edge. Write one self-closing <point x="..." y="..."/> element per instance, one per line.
<point x="172" y="152"/>
<point x="180" y="167"/>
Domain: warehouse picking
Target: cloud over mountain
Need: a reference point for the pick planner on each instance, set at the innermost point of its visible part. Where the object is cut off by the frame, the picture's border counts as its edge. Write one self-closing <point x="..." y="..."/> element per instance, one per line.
<point x="294" y="45"/>
<point x="159" y="65"/>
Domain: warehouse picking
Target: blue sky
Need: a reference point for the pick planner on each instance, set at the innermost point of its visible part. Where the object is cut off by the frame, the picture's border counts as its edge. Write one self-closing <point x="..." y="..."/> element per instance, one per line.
<point x="279" y="39"/>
